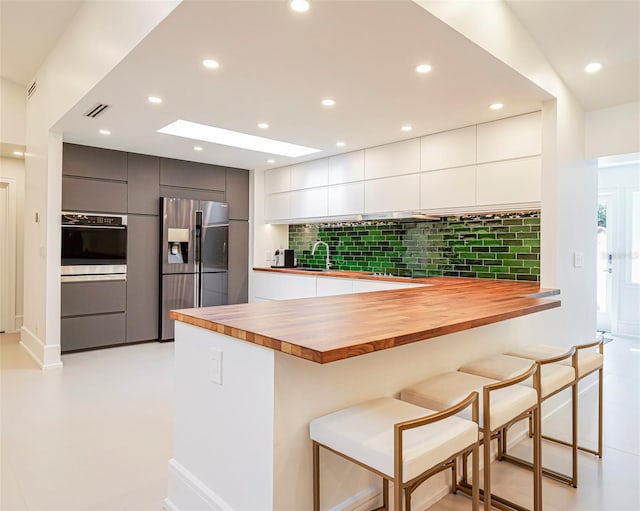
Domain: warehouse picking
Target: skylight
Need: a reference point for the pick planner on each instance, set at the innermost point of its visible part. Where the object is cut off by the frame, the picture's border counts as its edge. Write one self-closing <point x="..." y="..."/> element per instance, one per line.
<point x="196" y="131"/>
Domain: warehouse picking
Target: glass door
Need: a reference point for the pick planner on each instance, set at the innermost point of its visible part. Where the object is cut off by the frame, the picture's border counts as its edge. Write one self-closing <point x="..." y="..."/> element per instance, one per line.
<point x="604" y="296"/>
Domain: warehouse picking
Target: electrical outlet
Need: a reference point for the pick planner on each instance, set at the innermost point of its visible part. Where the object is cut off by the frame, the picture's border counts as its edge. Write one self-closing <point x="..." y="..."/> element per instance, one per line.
<point x="578" y="259"/>
<point x="215" y="368"/>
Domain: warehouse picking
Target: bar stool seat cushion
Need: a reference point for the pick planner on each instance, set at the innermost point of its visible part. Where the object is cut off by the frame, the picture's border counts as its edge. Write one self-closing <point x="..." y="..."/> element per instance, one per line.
<point x="588" y="360"/>
<point x="365" y="433"/>
<point x="504" y="367"/>
<point x="446" y="389"/>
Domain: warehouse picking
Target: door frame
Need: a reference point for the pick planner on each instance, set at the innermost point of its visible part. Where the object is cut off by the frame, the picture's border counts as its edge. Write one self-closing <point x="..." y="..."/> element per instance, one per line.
<point x="8" y="243"/>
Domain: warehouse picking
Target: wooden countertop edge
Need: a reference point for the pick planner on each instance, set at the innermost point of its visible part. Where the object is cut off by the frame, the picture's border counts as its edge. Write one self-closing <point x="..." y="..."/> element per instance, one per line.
<point x="324" y="357"/>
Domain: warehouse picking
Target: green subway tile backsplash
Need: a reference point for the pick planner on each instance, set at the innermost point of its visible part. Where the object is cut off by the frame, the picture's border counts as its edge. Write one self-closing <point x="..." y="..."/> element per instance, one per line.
<point x="496" y="246"/>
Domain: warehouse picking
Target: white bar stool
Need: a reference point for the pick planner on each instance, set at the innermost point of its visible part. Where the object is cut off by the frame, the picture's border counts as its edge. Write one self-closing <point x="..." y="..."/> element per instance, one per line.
<point x="589" y="361"/>
<point x="402" y="443"/>
<point x="502" y="403"/>
<point x="554" y="377"/>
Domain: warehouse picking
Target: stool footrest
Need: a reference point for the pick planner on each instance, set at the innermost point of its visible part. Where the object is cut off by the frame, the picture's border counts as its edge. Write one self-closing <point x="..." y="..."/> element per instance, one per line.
<point x="568" y="444"/>
<point x="496" y="501"/>
<point x="552" y="474"/>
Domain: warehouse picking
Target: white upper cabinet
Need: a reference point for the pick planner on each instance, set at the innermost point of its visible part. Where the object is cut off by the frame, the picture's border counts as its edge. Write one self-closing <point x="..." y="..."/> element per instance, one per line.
<point x="310" y="174"/>
<point x="277" y="207"/>
<point x="346" y="199"/>
<point x="509" y="182"/>
<point x="277" y="180"/>
<point x="454" y="148"/>
<point x="401" y="193"/>
<point x="310" y="203"/>
<point x="515" y="137"/>
<point x="392" y="159"/>
<point x="450" y="188"/>
<point x="347" y="167"/>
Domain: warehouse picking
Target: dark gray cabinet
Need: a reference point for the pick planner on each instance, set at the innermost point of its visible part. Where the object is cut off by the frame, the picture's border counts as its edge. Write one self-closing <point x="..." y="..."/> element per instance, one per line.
<point x="85" y="161"/>
<point x="189" y="174"/>
<point x="94" y="297"/>
<point x="238" y="194"/>
<point x="143" y="184"/>
<point x="79" y="194"/>
<point x="82" y="332"/>
<point x="238" y="261"/>
<point x="142" y="278"/>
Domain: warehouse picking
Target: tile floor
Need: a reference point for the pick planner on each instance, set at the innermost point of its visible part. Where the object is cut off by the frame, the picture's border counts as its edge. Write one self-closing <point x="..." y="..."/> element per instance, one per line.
<point x="96" y="435"/>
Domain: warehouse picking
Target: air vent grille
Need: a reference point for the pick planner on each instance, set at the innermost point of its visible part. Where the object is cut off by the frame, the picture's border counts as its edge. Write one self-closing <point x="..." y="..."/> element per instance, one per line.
<point x="31" y="91"/>
<point x="97" y="110"/>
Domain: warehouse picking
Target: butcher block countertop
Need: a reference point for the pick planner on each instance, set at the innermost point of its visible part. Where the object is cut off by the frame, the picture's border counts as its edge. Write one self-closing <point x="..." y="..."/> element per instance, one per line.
<point x="330" y="328"/>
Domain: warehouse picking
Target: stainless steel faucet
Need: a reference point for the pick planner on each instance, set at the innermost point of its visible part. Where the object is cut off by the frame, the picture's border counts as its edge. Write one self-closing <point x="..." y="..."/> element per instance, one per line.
<point x="313" y="251"/>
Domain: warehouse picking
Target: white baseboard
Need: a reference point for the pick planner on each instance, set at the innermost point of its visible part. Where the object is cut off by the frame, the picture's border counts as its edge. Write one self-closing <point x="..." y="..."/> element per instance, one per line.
<point x="46" y="356"/>
<point x="187" y="492"/>
<point x="17" y="323"/>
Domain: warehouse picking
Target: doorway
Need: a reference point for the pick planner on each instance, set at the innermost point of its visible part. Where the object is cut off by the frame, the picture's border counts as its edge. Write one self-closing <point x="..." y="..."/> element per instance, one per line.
<point x="7" y="254"/>
<point x="618" y="246"/>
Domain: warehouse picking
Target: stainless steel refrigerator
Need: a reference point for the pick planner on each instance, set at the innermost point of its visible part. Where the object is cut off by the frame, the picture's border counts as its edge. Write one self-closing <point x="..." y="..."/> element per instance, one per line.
<point x="193" y="249"/>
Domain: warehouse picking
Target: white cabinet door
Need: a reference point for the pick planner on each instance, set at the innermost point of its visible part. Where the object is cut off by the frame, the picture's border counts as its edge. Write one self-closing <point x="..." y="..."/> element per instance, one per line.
<point x="277" y="180"/>
<point x="346" y="199"/>
<point x="310" y="203"/>
<point x="448" y="188"/>
<point x="347" y="167"/>
<point x="277" y="207"/>
<point x="515" y="137"/>
<point x="399" y="193"/>
<point x="310" y="174"/>
<point x="455" y="148"/>
<point x="392" y="159"/>
<point x="279" y="286"/>
<point x="508" y="182"/>
<point x="328" y="286"/>
<point x="364" y="286"/>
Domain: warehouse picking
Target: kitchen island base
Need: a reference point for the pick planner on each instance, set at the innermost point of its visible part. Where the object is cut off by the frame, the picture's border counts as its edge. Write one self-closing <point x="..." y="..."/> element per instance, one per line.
<point x="243" y="411"/>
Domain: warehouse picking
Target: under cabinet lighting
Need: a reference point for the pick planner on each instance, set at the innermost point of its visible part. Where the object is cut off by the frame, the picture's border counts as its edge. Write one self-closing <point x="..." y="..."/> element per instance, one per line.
<point x="205" y="133"/>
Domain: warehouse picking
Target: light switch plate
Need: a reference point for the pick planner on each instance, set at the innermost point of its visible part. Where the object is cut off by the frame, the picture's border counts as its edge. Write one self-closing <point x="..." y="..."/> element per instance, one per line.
<point x="215" y="358"/>
<point x="578" y="259"/>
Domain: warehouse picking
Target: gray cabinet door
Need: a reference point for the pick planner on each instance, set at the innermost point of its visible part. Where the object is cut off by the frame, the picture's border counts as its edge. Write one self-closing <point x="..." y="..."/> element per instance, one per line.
<point x="189" y="174"/>
<point x="238" y="194"/>
<point x="85" y="161"/>
<point x="91" y="331"/>
<point x="238" y="261"/>
<point x="93" y="195"/>
<point x="142" y="278"/>
<point x="82" y="298"/>
<point x="144" y="184"/>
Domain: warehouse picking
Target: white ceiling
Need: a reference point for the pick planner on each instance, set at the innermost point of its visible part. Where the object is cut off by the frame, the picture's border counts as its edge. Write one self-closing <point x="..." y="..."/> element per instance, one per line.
<point x="276" y="65"/>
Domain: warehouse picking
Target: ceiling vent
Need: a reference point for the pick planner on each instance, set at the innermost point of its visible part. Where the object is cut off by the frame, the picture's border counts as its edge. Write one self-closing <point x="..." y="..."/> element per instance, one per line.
<point x="97" y="110"/>
<point x="31" y="91"/>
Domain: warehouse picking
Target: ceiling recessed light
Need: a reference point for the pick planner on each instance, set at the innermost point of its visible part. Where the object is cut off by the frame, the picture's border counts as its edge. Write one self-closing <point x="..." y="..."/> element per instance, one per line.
<point x="496" y="106"/>
<point x="211" y="64"/>
<point x="18" y="153"/>
<point x="104" y="132"/>
<point x="594" y="67"/>
<point x="299" y="5"/>
<point x="328" y="102"/>
<point x="271" y="161"/>
<point x="340" y="144"/>
<point x="197" y="148"/>
<point x="197" y="131"/>
<point x="423" y="68"/>
<point x="263" y="125"/>
<point x="154" y="99"/>
<point x="406" y="127"/>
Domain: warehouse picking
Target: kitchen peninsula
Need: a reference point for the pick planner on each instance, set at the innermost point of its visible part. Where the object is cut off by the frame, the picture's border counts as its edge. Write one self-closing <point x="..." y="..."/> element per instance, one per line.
<point x="250" y="378"/>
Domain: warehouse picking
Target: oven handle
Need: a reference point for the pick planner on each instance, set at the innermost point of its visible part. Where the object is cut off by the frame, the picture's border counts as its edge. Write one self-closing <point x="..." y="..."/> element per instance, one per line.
<point x="93" y="278"/>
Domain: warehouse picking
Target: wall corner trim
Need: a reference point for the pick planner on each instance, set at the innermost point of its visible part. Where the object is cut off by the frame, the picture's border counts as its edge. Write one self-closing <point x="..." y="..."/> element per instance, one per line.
<point x="46" y="356"/>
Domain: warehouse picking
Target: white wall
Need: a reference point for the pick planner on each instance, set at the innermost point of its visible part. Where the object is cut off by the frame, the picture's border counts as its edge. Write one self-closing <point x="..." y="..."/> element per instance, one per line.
<point x="612" y="131"/>
<point x="12" y="170"/>
<point x="12" y="112"/>
<point x="569" y="185"/>
<point x="99" y="37"/>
